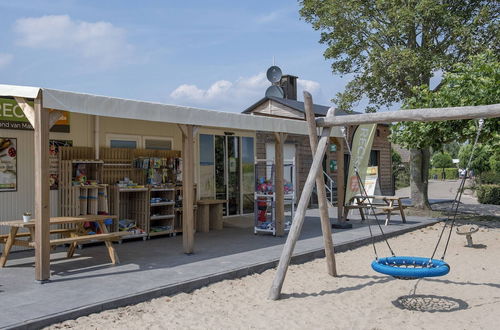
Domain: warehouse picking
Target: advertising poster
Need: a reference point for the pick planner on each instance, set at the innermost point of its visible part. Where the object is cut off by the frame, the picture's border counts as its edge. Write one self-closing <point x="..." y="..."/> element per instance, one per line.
<point x="12" y="117"/>
<point x="361" y="146"/>
<point x="54" y="161"/>
<point x="8" y="164"/>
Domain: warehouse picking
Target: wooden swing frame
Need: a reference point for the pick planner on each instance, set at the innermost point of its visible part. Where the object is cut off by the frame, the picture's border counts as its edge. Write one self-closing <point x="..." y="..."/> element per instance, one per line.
<point x="318" y="149"/>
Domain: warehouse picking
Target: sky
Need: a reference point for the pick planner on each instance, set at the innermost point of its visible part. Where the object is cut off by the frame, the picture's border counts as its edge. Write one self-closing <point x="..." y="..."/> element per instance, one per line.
<point x="206" y="54"/>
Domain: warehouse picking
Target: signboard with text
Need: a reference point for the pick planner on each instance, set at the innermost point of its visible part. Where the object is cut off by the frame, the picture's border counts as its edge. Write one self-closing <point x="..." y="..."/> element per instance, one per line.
<point x="12" y="117"/>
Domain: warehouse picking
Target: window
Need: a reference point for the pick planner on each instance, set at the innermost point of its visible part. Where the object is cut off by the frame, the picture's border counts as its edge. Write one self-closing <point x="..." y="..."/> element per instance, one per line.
<point x="139" y="142"/>
<point x="157" y="143"/>
<point x="122" y="141"/>
<point x="373" y="158"/>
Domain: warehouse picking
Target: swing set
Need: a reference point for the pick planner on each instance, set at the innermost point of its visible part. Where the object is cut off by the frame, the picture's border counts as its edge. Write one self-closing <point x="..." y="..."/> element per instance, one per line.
<point x="400" y="267"/>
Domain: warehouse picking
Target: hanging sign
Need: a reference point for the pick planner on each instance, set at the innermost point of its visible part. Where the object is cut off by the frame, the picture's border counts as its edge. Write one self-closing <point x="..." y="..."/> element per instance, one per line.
<point x="8" y="164"/>
<point x="361" y="146"/>
<point x="12" y="117"/>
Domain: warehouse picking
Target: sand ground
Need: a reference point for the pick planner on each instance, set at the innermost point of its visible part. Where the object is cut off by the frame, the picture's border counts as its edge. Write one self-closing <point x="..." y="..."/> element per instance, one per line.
<point x="467" y="298"/>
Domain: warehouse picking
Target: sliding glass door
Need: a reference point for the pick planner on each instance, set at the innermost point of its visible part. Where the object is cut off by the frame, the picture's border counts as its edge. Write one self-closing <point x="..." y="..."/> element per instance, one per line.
<point x="227" y="171"/>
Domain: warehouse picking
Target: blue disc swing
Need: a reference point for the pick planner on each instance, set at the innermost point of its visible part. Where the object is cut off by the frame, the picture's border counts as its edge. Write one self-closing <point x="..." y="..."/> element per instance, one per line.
<point x="408" y="267"/>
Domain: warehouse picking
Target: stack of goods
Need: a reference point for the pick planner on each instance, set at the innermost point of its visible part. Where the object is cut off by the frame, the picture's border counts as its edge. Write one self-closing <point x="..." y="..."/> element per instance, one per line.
<point x="127" y="183"/>
<point x="129" y="226"/>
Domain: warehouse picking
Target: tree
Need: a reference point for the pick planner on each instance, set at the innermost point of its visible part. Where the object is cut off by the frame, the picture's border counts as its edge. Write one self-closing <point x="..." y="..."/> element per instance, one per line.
<point x="441" y="160"/>
<point x="391" y="46"/>
<point x="473" y="83"/>
<point x="480" y="161"/>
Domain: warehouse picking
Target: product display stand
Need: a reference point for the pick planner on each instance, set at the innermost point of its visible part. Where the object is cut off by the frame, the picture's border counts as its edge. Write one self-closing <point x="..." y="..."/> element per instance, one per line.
<point x="265" y="196"/>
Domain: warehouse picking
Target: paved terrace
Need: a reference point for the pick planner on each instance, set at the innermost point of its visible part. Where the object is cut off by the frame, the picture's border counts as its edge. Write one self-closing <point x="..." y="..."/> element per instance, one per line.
<point x="87" y="283"/>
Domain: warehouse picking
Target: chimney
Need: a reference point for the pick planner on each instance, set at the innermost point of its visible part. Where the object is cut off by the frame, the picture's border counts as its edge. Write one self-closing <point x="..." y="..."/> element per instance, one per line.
<point x="289" y="85"/>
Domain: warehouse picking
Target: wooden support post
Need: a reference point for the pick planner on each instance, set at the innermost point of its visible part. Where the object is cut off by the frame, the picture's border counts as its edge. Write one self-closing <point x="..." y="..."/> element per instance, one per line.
<point x="320" y="188"/>
<point x="42" y="202"/>
<point x="187" y="188"/>
<point x="300" y="214"/>
<point x="279" y="183"/>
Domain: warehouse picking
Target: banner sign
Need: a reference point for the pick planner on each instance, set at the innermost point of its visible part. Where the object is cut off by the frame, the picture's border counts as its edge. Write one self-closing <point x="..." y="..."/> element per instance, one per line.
<point x="361" y="146"/>
<point x="12" y="117"/>
<point x="8" y="164"/>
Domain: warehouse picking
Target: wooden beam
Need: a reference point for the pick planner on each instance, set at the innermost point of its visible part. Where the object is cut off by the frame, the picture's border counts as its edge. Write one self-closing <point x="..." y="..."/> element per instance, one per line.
<point x="187" y="188"/>
<point x="298" y="219"/>
<point x="28" y="110"/>
<point x="320" y="187"/>
<point x="42" y="197"/>
<point x="54" y="116"/>
<point x="279" y="184"/>
<point x="422" y="115"/>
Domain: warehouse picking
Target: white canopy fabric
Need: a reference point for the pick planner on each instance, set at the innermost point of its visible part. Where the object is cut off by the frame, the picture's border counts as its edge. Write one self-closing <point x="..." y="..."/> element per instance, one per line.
<point x="149" y="111"/>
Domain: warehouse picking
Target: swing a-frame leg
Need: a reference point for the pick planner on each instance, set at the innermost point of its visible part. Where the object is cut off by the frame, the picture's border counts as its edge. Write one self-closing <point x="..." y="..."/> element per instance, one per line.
<point x="298" y="219"/>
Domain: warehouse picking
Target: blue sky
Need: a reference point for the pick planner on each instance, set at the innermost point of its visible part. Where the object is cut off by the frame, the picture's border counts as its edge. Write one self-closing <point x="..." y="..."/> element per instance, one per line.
<point x="207" y="54"/>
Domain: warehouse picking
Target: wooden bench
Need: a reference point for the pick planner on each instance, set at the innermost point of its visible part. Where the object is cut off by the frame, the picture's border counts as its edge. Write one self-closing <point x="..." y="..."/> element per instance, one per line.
<point x="389" y="205"/>
<point x="75" y="239"/>
<point x="210" y="214"/>
<point x="76" y="235"/>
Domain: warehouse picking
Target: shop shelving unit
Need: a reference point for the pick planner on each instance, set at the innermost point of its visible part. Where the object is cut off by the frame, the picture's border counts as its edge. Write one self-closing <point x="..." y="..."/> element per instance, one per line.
<point x="265" y="196"/>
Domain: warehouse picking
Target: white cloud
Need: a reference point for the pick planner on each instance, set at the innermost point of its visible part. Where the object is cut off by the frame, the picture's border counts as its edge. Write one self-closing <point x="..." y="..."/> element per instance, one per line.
<point x="99" y="42"/>
<point x="5" y="59"/>
<point x="312" y="87"/>
<point x="232" y="96"/>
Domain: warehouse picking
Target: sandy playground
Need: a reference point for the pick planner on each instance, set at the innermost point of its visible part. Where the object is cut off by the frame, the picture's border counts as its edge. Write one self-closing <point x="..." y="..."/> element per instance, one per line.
<point x="467" y="298"/>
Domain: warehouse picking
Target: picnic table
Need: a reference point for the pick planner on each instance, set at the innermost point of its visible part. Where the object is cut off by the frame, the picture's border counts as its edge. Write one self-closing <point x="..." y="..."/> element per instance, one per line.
<point x="210" y="214"/>
<point x="387" y="204"/>
<point x="71" y="236"/>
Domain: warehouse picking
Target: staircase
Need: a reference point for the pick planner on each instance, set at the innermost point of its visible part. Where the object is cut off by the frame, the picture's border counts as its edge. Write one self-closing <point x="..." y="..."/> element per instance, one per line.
<point x="331" y="190"/>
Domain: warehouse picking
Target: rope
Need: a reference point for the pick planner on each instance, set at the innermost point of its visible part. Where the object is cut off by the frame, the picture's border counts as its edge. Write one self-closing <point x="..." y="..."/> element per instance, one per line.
<point x="456" y="202"/>
<point x="375" y="215"/>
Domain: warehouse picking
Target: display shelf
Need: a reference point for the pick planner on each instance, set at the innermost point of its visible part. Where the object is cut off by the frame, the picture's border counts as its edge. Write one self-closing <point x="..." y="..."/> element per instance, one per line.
<point x="265" y="196"/>
<point x="162" y="204"/>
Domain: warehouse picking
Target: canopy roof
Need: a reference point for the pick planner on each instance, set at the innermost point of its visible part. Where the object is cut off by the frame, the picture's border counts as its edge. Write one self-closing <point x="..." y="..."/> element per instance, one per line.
<point x="140" y="110"/>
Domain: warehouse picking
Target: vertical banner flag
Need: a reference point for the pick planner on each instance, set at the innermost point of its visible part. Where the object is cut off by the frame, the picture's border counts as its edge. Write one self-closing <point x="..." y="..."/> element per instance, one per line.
<point x="361" y="146"/>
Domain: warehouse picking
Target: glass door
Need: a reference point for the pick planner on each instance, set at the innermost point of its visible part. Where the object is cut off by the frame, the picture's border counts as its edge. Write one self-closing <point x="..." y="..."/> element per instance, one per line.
<point x="233" y="174"/>
<point x="220" y="170"/>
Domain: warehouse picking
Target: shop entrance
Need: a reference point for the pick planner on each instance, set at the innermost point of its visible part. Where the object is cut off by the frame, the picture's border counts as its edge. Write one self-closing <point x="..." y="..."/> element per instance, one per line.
<point x="227" y="171"/>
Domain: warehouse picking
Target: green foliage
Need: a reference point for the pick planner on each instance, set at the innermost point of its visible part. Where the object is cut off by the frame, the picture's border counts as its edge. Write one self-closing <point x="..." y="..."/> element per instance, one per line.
<point x="475" y="83"/>
<point x="446" y="173"/>
<point x="480" y="161"/>
<point x="490" y="177"/>
<point x="489" y="194"/>
<point x="495" y="162"/>
<point x="391" y="46"/>
<point x="452" y="148"/>
<point x="396" y="160"/>
<point x="441" y="160"/>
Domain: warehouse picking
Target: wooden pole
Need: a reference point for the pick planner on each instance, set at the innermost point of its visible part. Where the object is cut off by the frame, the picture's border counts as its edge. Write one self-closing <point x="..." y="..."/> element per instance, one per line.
<point x="42" y="202"/>
<point x="320" y="188"/>
<point x="423" y="115"/>
<point x="279" y="182"/>
<point x="187" y="188"/>
<point x="298" y="219"/>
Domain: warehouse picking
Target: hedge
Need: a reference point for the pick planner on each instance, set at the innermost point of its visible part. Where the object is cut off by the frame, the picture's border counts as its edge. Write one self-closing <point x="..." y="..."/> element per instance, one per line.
<point x="489" y="194"/>
<point x="490" y="177"/>
<point x="451" y="173"/>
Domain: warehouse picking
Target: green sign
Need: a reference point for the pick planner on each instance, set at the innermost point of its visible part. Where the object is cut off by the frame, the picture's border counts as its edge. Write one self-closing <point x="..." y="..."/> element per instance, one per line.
<point x="12" y="117"/>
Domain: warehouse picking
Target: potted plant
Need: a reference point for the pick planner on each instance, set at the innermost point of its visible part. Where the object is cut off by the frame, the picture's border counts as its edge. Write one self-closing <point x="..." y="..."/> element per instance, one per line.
<point x="26" y="216"/>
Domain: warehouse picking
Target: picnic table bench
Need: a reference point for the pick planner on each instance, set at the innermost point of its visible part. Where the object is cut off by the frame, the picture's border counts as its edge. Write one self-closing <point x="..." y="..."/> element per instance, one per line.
<point x="387" y="204"/>
<point x="71" y="236"/>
